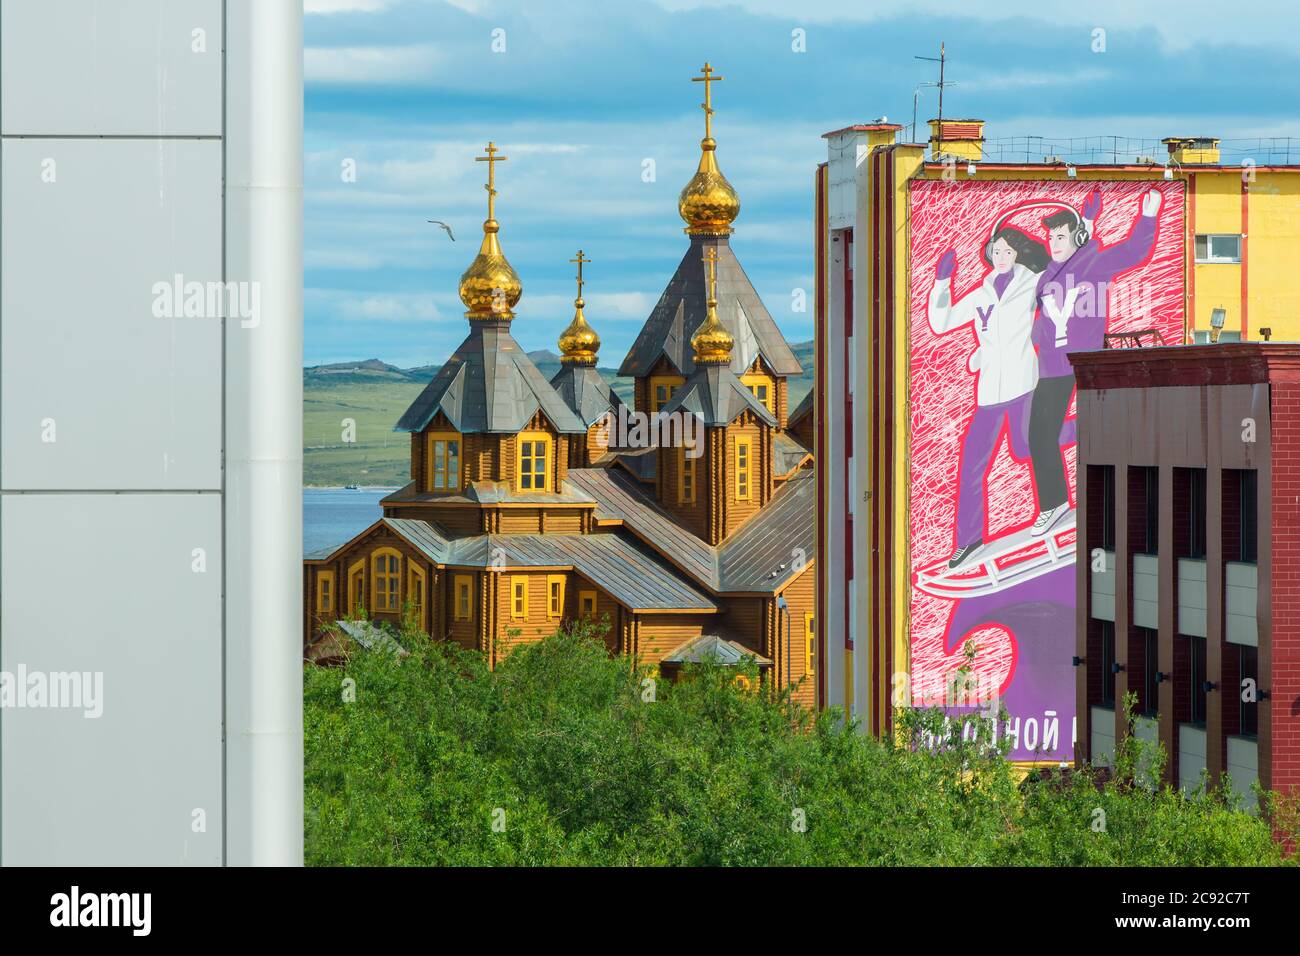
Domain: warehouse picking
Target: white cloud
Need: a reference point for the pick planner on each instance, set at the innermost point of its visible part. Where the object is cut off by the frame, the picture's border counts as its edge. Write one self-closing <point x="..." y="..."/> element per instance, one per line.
<point x="367" y="65"/>
<point x="330" y="7"/>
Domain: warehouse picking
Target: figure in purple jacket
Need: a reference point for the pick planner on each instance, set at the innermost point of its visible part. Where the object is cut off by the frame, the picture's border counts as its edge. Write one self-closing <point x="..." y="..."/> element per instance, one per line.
<point x="1073" y="309"/>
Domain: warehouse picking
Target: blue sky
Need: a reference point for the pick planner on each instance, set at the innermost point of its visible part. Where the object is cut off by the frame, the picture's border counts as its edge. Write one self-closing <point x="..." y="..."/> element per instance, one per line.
<point x="586" y="91"/>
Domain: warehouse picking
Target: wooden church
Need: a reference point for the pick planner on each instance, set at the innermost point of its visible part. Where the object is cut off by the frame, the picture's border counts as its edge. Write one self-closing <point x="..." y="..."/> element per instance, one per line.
<point x="525" y="511"/>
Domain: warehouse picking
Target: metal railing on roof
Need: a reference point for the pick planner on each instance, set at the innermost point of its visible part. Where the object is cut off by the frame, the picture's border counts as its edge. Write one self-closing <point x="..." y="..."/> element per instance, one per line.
<point x="1128" y="150"/>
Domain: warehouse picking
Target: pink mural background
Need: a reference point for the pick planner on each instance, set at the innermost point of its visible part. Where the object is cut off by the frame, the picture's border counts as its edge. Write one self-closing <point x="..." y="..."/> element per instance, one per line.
<point x="959" y="215"/>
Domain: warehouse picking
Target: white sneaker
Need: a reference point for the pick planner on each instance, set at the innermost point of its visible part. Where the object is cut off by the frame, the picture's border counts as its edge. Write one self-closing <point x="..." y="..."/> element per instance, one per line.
<point x="1048" y="518"/>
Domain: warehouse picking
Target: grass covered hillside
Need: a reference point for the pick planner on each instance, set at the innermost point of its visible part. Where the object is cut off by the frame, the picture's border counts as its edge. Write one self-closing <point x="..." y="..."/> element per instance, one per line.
<point x="374" y="395"/>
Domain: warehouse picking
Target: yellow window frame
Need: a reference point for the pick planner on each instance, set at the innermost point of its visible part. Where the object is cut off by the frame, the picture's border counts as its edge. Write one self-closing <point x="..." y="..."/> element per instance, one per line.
<point x="462" y="584"/>
<point x="554" y="597"/>
<point x="548" y="446"/>
<point x="326" y="594"/>
<point x="745" y="472"/>
<point x="519" y="597"/>
<point x="449" y="483"/>
<point x="356" y="585"/>
<point x="377" y="576"/>
<point x="670" y="382"/>
<point x="415" y="581"/>
<point x="586" y="599"/>
<point x="810" y="645"/>
<point x="686" y="465"/>
<point x="752" y="381"/>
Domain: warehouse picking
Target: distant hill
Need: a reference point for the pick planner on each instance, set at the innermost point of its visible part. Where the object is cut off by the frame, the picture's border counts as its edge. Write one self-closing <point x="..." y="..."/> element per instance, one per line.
<point x="374" y="394"/>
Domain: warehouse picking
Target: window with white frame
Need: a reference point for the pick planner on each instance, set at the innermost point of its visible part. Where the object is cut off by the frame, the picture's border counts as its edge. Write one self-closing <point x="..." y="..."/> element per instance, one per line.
<point x="1218" y="248"/>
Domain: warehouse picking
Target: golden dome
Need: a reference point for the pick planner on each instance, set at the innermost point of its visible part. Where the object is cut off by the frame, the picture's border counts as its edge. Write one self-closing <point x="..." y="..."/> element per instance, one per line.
<point x="712" y="342"/>
<point x="490" y="287"/>
<point x="579" y="342"/>
<point x="708" y="202"/>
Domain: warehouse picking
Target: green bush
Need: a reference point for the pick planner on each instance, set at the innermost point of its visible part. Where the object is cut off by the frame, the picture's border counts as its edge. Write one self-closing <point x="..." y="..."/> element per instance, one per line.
<point x="563" y="755"/>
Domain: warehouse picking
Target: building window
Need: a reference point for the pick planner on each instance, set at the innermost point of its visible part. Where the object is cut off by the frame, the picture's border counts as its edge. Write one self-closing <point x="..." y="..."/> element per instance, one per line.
<point x="1108" y="508"/>
<point x="534" y="459"/>
<point x="810" y="645"/>
<point x="662" y="388"/>
<point x="444" y="461"/>
<point x="1152" y="543"/>
<point x="384" y="579"/>
<point x="1218" y="248"/>
<point x="554" y="596"/>
<point x="1197" y="513"/>
<point x="1249" y="515"/>
<point x="1150" y="661"/>
<point x="519" y="597"/>
<point x="1197" y="648"/>
<point x="1108" y="663"/>
<point x="744" y="468"/>
<point x="324" y="591"/>
<point x="685" y="477"/>
<point x="462" y="585"/>
<point x="415" y="591"/>
<point x="587" y="604"/>
<point x="1249" y="662"/>
<point x="356" y="586"/>
<point x="762" y="388"/>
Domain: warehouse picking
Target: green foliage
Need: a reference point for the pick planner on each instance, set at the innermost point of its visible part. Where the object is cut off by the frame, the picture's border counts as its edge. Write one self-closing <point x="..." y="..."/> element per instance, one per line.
<point x="579" y="759"/>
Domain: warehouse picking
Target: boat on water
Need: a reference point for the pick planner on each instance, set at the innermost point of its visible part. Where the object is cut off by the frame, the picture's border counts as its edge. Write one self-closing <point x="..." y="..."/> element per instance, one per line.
<point x="351" y="487"/>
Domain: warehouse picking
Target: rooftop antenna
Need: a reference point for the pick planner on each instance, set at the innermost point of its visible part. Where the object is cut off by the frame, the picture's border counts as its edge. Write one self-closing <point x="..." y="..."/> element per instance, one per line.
<point x="940" y="59"/>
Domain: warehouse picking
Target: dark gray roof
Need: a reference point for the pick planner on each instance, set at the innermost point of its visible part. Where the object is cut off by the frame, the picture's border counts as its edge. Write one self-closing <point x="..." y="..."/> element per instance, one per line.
<point x="585" y="391"/>
<point x="626" y="571"/>
<point x="489" y="384"/>
<point x="489" y="493"/>
<point x="681" y="309"/>
<point x="712" y="647"/>
<point x="787" y="453"/>
<point x="424" y="536"/>
<point x="714" y="393"/>
<point x="620" y="498"/>
<point x="766" y="552"/>
<point x="804" y="407"/>
<point x="642" y="463"/>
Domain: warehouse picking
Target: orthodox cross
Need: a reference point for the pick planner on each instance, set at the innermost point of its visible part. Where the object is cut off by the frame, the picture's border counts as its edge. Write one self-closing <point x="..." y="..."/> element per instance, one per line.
<point x="707" y="105"/>
<point x="491" y="159"/>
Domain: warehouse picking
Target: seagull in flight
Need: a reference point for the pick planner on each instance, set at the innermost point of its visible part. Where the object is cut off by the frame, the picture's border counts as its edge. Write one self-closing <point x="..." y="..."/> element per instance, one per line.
<point x="445" y="228"/>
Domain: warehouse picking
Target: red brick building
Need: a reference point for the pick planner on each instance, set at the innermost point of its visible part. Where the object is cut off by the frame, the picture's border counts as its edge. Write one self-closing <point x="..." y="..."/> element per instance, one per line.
<point x="1189" y="515"/>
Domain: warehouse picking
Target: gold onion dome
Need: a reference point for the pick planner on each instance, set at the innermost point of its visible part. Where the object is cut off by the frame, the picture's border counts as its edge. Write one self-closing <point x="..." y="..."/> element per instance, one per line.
<point x="712" y="342"/>
<point x="490" y="287"/>
<point x="708" y="203"/>
<point x="579" y="343"/>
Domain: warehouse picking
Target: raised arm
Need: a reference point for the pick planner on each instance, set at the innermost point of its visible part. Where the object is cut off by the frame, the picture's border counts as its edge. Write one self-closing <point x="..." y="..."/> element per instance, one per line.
<point x="943" y="313"/>
<point x="1136" y="247"/>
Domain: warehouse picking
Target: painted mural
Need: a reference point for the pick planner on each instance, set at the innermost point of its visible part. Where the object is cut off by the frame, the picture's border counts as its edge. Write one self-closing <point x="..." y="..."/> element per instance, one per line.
<point x="1007" y="279"/>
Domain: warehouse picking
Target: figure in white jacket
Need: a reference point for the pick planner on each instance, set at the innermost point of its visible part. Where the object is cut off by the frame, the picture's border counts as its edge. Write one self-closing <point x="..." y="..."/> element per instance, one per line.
<point x="1001" y="308"/>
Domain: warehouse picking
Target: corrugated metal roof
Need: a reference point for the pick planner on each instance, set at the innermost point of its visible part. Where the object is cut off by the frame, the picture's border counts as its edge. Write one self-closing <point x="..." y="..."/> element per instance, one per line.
<point x="764" y="554"/>
<point x="489" y="384"/>
<point x="713" y="647"/>
<point x="619" y="498"/>
<point x="681" y="309"/>
<point x="586" y="392"/>
<point x="490" y="492"/>
<point x="804" y="407"/>
<point x="787" y="453"/>
<point x="715" y="394"/>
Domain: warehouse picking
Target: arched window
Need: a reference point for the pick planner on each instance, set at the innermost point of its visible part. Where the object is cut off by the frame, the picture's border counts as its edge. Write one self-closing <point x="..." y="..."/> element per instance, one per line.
<point x="356" y="586"/>
<point x="415" y="592"/>
<point x="385" y="579"/>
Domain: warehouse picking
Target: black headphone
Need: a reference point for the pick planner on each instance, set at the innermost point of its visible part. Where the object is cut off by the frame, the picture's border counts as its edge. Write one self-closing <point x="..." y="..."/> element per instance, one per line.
<point x="1079" y="233"/>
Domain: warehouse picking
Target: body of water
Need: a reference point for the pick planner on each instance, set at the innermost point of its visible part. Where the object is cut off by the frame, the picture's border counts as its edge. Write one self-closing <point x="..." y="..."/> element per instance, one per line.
<point x="332" y="516"/>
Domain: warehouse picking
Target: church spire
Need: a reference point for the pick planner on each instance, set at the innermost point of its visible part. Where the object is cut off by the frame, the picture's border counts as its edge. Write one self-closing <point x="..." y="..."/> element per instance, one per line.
<point x="708" y="203"/>
<point x="579" y="342"/>
<point x="490" y="287"/>
<point x="712" y="342"/>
